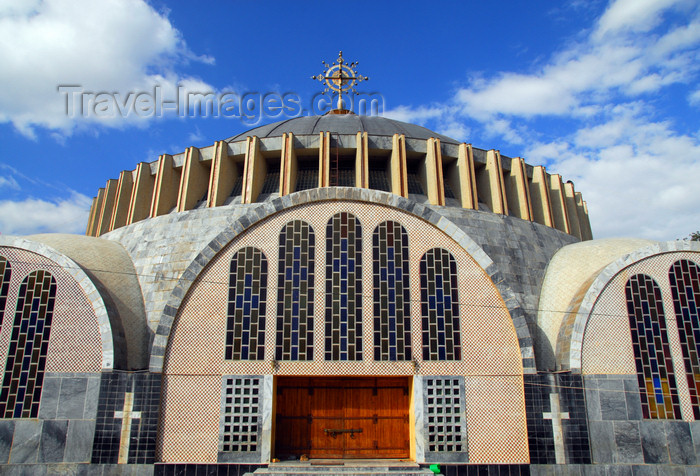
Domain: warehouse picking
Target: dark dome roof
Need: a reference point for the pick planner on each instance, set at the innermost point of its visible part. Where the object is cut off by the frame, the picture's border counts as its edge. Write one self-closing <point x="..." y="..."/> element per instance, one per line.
<point x="342" y="124"/>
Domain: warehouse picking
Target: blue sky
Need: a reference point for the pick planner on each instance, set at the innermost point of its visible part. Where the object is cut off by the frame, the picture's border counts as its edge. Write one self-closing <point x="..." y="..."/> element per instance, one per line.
<point x="605" y="93"/>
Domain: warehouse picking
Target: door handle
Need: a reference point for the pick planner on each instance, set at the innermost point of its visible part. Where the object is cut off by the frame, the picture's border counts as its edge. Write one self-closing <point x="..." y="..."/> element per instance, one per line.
<point x="333" y="432"/>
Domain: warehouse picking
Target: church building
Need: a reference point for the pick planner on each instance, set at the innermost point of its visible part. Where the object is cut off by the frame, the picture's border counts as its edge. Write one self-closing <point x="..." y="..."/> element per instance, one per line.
<point x="340" y="289"/>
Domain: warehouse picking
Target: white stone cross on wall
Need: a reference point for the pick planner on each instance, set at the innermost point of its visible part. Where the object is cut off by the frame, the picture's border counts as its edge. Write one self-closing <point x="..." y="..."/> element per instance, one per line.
<point x="126" y="415"/>
<point x="557" y="416"/>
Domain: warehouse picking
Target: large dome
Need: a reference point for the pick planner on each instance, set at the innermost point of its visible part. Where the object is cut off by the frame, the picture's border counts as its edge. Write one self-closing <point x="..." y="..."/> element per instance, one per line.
<point x="342" y="124"/>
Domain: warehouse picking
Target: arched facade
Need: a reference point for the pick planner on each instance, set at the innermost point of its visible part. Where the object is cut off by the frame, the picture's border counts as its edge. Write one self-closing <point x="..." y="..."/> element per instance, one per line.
<point x="196" y="372"/>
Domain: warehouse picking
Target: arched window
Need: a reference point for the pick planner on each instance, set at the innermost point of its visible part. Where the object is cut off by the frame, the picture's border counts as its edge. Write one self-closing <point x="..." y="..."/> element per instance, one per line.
<point x="657" y="383"/>
<point x="439" y="306"/>
<point x="26" y="357"/>
<point x="343" y="288"/>
<point x="684" y="276"/>
<point x="247" y="295"/>
<point x="295" y="291"/>
<point x="392" y="304"/>
<point x="5" y="272"/>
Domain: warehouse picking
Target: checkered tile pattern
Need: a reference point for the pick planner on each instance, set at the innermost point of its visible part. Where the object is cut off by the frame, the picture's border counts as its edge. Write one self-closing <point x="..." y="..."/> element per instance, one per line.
<point x="197" y="340"/>
<point x="189" y="419"/>
<point x="489" y="343"/>
<point x="496" y="425"/>
<point x="75" y="343"/>
<point x="607" y="343"/>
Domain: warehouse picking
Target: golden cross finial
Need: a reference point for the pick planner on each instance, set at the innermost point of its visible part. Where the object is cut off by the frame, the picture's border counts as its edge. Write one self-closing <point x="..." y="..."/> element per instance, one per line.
<point x="340" y="77"/>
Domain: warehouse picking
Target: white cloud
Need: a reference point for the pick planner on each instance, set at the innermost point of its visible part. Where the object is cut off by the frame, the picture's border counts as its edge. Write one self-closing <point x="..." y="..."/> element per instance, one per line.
<point x="32" y="215"/>
<point x="106" y="46"/>
<point x="597" y="97"/>
<point x="632" y="15"/>
<point x="638" y="177"/>
<point x="9" y="182"/>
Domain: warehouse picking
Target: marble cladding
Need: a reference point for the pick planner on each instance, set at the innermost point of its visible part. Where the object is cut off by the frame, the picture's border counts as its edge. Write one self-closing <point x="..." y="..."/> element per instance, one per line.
<point x="619" y="435"/>
<point x="63" y="432"/>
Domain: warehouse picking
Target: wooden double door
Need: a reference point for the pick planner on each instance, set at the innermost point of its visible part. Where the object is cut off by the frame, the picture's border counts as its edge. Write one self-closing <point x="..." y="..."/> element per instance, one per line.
<point x="351" y="417"/>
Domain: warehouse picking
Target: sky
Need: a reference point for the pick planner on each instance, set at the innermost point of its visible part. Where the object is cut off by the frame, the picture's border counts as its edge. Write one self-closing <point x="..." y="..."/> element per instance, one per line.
<point x="604" y="93"/>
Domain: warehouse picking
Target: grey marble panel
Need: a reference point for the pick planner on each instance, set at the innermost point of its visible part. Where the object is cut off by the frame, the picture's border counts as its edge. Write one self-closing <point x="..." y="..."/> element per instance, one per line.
<point x="695" y="432"/>
<point x="28" y="470"/>
<point x="92" y="397"/>
<point x="25" y="444"/>
<point x="602" y="441"/>
<point x="619" y="470"/>
<point x="71" y="402"/>
<point x="49" y="398"/>
<point x="418" y="417"/>
<point x="680" y="442"/>
<point x="632" y="399"/>
<point x="267" y="416"/>
<point x="593" y="403"/>
<point x="593" y="470"/>
<point x="612" y="399"/>
<point x="644" y="470"/>
<point x="628" y="443"/>
<point x="7" y="429"/>
<point x="79" y="441"/>
<point x="654" y="445"/>
<point x="53" y="441"/>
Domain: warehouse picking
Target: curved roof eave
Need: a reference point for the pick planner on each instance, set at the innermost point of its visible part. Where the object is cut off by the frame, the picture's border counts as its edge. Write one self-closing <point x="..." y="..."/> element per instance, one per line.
<point x="342" y="124"/>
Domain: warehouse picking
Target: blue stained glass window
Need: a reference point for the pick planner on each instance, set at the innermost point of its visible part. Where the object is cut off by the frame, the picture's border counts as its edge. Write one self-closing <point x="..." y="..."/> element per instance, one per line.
<point x="22" y="383"/>
<point x="343" y="314"/>
<point x="392" y="325"/>
<point x="438" y="281"/>
<point x="684" y="276"/>
<point x="656" y="379"/>
<point x="245" y="322"/>
<point x="294" y="333"/>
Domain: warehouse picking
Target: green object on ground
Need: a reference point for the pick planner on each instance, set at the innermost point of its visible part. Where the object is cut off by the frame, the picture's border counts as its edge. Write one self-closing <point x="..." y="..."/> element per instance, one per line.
<point x="435" y="468"/>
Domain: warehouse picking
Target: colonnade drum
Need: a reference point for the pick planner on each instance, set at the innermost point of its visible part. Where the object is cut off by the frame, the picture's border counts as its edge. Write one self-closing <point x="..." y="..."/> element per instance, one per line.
<point x="340" y="150"/>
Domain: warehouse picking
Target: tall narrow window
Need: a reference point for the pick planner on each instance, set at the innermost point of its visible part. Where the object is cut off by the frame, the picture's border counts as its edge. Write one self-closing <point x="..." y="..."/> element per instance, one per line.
<point x="5" y="272"/>
<point x="26" y="357"/>
<point x="247" y="295"/>
<point x="343" y="288"/>
<point x="685" y="288"/>
<point x="657" y="383"/>
<point x="295" y="291"/>
<point x="439" y="306"/>
<point x="392" y="305"/>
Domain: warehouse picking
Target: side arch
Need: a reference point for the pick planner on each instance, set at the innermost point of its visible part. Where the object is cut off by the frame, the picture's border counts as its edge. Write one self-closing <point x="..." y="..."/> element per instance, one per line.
<point x="85" y="283"/>
<point x="573" y="328"/>
<point x="287" y="202"/>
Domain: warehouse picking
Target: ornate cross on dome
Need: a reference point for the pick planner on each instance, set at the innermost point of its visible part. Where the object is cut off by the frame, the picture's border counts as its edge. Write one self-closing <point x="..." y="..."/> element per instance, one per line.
<point x="340" y="77"/>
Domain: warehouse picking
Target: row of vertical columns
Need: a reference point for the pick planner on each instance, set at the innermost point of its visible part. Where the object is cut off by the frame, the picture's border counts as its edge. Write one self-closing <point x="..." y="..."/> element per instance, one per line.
<point x="141" y="194"/>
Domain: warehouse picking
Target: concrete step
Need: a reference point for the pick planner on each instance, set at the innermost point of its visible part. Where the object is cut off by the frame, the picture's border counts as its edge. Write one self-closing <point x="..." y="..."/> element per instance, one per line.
<point x="346" y="469"/>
